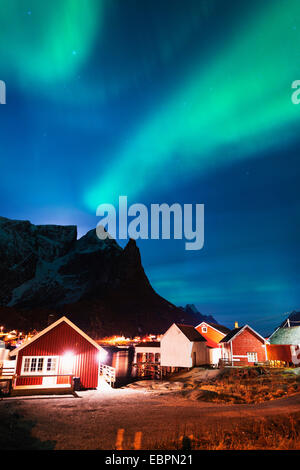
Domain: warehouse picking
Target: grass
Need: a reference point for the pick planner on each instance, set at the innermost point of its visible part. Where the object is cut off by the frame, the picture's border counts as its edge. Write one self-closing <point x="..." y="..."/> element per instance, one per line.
<point x="242" y="385"/>
<point x="281" y="433"/>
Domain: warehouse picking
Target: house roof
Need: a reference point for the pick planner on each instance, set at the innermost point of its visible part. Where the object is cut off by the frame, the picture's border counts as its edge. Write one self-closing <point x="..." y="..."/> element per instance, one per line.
<point x="236" y="331"/>
<point x="286" y="336"/>
<point x="231" y="335"/>
<point x="190" y="332"/>
<point x="15" y="351"/>
<point x="221" y="328"/>
<point x="216" y="326"/>
<point x="292" y="320"/>
<point x="149" y="344"/>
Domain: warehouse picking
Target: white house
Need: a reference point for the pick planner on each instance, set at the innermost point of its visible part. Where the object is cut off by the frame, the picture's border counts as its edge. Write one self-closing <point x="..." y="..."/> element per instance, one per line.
<point x="183" y="346"/>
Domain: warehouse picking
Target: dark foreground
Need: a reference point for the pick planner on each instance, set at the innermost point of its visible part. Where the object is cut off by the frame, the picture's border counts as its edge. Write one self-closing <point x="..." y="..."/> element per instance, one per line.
<point x="92" y="421"/>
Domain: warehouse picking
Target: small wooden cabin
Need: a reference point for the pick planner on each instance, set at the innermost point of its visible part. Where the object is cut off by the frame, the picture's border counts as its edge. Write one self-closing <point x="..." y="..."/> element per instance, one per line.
<point x="284" y="344"/>
<point x="57" y="354"/>
<point x="244" y="346"/>
<point x="183" y="346"/>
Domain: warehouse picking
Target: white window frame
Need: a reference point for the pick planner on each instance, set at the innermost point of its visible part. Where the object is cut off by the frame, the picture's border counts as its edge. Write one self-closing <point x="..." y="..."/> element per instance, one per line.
<point x="204" y="329"/>
<point x="44" y="371"/>
<point x="252" y="355"/>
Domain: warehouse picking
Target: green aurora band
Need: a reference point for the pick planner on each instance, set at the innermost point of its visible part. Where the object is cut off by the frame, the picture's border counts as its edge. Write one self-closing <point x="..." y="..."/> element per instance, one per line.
<point x="47" y="41"/>
<point x="234" y="107"/>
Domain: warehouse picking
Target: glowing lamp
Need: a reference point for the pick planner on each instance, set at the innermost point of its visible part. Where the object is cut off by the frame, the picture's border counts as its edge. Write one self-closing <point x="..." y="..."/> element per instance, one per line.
<point x="68" y="359"/>
<point x="102" y="355"/>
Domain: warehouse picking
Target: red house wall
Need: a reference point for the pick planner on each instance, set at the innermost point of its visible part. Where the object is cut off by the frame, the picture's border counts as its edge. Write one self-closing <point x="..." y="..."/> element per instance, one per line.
<point x="246" y="342"/>
<point x="56" y="342"/>
<point x="279" y="352"/>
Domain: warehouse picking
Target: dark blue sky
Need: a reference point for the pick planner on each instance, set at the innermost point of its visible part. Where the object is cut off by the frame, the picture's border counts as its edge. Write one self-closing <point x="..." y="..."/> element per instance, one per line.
<point x="166" y="101"/>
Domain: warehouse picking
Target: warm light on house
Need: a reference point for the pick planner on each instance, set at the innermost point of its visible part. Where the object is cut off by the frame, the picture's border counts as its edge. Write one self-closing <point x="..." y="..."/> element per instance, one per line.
<point x="68" y="361"/>
<point x="102" y="355"/>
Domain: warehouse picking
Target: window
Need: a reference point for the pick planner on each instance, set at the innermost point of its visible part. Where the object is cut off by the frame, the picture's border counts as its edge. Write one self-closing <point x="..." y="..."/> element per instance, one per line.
<point x="33" y="364"/>
<point x="204" y="329"/>
<point x="26" y="364"/>
<point x="252" y="356"/>
<point x="39" y="365"/>
<point x="51" y="364"/>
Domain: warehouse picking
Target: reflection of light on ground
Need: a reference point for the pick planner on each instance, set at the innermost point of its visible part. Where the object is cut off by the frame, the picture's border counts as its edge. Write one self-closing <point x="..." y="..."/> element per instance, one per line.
<point x="103" y="386"/>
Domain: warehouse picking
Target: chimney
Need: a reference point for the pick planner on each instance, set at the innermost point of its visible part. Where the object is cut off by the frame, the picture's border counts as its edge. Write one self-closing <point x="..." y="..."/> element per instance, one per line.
<point x="236" y="325"/>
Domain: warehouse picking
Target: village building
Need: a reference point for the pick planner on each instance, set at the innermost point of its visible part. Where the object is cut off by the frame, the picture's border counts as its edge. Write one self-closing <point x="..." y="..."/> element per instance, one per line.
<point x="147" y="359"/>
<point x="286" y="335"/>
<point x="213" y="333"/>
<point x="53" y="357"/>
<point x="183" y="346"/>
<point x="243" y="345"/>
<point x="284" y="347"/>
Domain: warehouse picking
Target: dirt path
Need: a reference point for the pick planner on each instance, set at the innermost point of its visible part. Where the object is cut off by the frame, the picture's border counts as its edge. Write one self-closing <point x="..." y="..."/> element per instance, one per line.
<point x="92" y="421"/>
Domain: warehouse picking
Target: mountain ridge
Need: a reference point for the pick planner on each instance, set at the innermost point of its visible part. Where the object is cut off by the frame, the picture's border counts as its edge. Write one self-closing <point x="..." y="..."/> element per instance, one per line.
<point x="45" y="270"/>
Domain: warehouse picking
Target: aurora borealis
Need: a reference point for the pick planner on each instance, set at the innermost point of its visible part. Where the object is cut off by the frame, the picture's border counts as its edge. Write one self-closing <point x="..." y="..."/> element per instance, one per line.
<point x="165" y="101"/>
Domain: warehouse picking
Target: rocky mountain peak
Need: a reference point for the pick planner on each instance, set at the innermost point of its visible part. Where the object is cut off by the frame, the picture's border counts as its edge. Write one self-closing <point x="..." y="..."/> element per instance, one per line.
<point x="45" y="270"/>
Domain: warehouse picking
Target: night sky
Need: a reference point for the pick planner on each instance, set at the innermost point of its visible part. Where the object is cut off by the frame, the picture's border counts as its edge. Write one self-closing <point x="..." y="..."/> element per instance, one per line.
<point x="163" y="101"/>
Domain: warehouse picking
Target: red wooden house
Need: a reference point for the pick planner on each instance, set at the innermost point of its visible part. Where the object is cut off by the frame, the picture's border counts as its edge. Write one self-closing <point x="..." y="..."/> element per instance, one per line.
<point x="55" y="355"/>
<point x="244" y="345"/>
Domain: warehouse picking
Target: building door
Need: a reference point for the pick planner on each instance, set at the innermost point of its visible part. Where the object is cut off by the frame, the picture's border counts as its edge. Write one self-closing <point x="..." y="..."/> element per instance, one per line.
<point x="50" y="369"/>
<point x="194" y="358"/>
